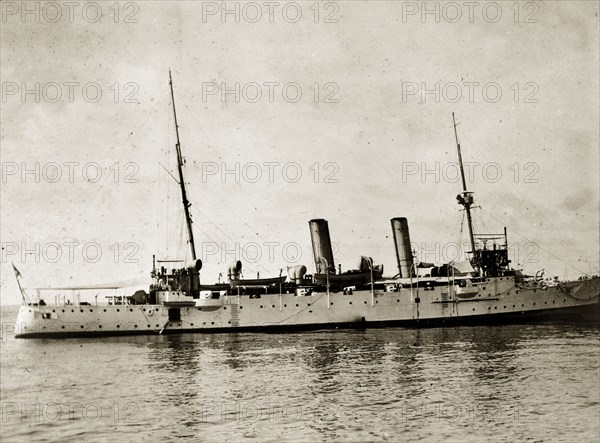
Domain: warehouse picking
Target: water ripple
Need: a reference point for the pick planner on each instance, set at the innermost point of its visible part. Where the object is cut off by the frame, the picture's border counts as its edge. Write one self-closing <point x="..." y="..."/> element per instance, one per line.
<point x="509" y="383"/>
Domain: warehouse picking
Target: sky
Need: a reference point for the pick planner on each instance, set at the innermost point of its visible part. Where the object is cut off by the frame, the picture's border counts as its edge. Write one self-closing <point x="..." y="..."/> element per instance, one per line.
<point x="290" y="111"/>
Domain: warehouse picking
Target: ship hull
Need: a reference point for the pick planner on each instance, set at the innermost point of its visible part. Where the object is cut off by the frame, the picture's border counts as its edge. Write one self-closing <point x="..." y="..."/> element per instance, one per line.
<point x="498" y="300"/>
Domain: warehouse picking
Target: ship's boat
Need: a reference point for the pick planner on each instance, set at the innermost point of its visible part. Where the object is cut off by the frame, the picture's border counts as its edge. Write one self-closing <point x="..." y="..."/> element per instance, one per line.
<point x="269" y="281"/>
<point x="215" y="287"/>
<point x="466" y="289"/>
<point x="350" y="277"/>
<point x="235" y="279"/>
<point x="483" y="289"/>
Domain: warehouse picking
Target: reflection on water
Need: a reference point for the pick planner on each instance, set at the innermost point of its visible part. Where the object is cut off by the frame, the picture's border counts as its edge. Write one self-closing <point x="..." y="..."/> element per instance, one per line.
<point x="233" y="348"/>
<point x="504" y="383"/>
<point x="175" y="353"/>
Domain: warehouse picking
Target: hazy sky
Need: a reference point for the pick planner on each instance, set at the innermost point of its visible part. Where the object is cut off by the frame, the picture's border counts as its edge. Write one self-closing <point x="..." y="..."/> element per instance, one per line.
<point x="357" y="97"/>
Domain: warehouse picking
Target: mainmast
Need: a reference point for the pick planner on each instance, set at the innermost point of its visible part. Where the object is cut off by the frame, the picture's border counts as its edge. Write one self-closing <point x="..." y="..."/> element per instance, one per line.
<point x="186" y="203"/>
<point x="466" y="197"/>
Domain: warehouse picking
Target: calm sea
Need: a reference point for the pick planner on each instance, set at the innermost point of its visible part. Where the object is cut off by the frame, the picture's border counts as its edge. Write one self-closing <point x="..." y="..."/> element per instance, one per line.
<point x="508" y="383"/>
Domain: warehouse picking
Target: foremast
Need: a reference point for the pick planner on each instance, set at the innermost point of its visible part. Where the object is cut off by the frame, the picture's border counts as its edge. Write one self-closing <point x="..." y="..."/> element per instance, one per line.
<point x="186" y="203"/>
<point x="465" y="198"/>
<point x="489" y="262"/>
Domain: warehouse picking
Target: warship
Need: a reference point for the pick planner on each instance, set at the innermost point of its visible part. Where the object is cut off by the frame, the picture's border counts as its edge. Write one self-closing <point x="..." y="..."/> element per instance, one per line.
<point x="482" y="289"/>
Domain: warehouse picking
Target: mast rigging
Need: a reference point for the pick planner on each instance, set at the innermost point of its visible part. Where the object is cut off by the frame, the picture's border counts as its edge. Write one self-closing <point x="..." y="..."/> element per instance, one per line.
<point x="465" y="198"/>
<point x="186" y="203"/>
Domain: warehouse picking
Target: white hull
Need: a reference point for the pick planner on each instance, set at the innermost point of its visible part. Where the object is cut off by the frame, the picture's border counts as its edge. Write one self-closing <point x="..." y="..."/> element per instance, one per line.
<point x="498" y="299"/>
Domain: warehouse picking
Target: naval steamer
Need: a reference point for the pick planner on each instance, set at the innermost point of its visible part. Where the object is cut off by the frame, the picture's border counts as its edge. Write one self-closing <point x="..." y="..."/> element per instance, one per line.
<point x="481" y="290"/>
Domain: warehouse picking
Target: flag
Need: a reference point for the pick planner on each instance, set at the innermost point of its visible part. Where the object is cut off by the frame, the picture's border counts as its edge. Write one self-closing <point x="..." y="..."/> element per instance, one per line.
<point x="17" y="273"/>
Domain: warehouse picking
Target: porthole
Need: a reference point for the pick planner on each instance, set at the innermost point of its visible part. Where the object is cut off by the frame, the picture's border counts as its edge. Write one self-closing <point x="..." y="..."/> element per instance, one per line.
<point x="118" y="310"/>
<point x="398" y="300"/>
<point x="229" y="322"/>
<point x="64" y="310"/>
<point x="365" y="302"/>
<point x="191" y="324"/>
<point x="99" y="326"/>
<point x="148" y="325"/>
<point x="212" y="322"/>
<point x="91" y="310"/>
<point x="261" y="306"/>
<point x="135" y="326"/>
<point x="103" y="310"/>
<point x="309" y="304"/>
<point x="534" y="304"/>
<point x="331" y="303"/>
<point x="53" y="310"/>
<point x="272" y="306"/>
<point x="81" y="326"/>
<point x="130" y="310"/>
<point x="296" y="304"/>
<point x="224" y="308"/>
<point x="118" y="326"/>
<point x="81" y="310"/>
<point x="72" y="310"/>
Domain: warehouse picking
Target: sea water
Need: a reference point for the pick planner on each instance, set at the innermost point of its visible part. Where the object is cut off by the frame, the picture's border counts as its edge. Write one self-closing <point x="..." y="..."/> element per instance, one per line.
<point x="535" y="382"/>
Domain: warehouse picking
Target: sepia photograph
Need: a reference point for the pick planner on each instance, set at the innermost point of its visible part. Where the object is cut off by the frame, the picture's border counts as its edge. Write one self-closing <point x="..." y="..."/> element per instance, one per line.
<point x="300" y="221"/>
